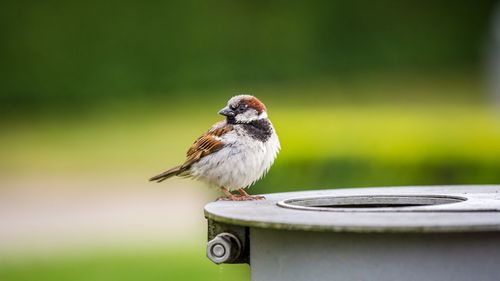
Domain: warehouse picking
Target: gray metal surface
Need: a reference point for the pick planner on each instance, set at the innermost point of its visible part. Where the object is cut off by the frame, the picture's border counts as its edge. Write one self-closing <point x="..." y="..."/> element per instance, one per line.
<point x="299" y="255"/>
<point x="479" y="211"/>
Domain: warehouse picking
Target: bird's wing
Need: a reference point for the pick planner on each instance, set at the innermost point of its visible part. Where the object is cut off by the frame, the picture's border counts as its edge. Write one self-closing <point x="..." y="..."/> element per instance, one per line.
<point x="208" y="143"/>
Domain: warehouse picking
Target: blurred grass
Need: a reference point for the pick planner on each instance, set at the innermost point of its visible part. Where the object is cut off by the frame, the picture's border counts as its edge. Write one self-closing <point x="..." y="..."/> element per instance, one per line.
<point x="326" y="141"/>
<point x="157" y="264"/>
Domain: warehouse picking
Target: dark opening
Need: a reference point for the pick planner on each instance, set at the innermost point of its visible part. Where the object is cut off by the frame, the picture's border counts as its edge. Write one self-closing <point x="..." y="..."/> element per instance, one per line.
<point x="371" y="205"/>
<point x="374" y="202"/>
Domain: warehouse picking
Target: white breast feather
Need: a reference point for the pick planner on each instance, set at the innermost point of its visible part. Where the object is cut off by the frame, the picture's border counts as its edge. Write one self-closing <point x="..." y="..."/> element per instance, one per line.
<point x="241" y="162"/>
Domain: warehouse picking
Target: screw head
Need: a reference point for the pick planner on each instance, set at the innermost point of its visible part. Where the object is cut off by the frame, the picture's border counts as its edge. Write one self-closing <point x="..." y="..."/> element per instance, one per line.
<point x="218" y="250"/>
<point x="224" y="248"/>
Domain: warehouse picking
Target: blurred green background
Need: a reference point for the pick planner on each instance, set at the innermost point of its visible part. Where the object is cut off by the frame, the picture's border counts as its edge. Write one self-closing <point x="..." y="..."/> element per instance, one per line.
<point x="96" y="96"/>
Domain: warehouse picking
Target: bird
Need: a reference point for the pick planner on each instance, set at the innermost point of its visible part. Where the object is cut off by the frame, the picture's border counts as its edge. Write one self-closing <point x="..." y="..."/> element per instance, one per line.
<point x="234" y="153"/>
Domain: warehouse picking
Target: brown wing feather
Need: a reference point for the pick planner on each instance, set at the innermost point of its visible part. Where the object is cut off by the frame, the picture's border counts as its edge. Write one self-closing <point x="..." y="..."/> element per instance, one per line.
<point x="206" y="144"/>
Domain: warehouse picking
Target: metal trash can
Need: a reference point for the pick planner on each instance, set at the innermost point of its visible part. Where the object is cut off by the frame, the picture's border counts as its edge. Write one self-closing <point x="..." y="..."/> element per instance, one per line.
<point x="397" y="233"/>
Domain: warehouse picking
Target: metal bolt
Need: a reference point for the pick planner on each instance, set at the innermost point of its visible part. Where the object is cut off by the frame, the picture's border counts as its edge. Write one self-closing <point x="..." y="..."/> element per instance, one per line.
<point x="224" y="248"/>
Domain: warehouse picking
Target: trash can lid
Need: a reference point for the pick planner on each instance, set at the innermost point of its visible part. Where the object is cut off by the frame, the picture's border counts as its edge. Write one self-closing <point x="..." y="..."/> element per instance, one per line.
<point x="464" y="208"/>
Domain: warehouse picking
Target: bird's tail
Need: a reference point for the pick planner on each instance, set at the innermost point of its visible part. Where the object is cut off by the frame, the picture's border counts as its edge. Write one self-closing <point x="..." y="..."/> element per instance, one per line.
<point x="167" y="174"/>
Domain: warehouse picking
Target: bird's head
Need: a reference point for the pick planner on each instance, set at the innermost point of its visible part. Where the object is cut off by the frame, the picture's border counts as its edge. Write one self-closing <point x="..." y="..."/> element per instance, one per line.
<point x="244" y="109"/>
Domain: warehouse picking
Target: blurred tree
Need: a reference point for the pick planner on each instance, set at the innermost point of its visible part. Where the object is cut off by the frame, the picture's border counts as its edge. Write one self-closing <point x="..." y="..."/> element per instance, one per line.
<point x="69" y="52"/>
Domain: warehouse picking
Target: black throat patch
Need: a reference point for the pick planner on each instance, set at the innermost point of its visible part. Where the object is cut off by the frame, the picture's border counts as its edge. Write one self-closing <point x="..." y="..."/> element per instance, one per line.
<point x="259" y="129"/>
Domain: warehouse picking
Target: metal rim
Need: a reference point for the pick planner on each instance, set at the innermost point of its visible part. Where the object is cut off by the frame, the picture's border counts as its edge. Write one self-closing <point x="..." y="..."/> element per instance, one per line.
<point x="480" y="212"/>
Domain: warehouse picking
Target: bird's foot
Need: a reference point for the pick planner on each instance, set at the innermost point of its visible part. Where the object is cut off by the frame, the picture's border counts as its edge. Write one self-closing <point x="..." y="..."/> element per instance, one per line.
<point x="257" y="197"/>
<point x="241" y="198"/>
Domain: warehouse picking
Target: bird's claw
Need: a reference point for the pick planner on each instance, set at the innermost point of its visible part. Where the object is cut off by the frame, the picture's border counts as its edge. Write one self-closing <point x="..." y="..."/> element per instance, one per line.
<point x="241" y="198"/>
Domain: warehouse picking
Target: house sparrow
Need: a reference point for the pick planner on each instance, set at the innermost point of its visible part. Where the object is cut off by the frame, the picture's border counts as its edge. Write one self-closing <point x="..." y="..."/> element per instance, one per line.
<point x="235" y="152"/>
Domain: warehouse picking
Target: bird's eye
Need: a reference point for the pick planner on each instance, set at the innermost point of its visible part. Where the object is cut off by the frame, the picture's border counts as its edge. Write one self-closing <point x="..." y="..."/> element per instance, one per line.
<point x="242" y="106"/>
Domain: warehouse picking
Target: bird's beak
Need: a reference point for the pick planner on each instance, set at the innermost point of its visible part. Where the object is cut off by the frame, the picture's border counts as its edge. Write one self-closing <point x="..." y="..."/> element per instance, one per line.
<point x="226" y="111"/>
